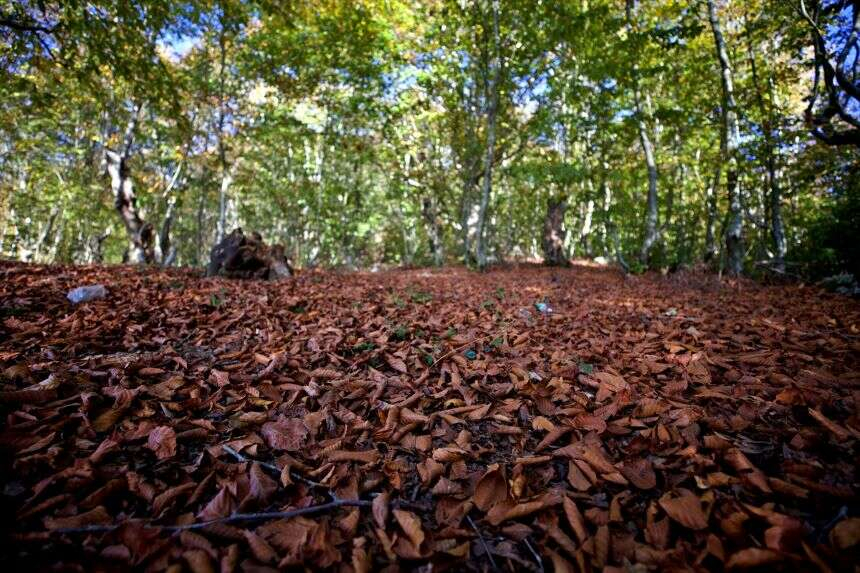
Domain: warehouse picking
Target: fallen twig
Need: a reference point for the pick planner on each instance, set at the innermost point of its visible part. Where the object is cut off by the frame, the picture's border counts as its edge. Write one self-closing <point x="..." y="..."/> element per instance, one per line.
<point x="483" y="543"/>
<point x="535" y="554"/>
<point x="262" y="516"/>
<point x="277" y="470"/>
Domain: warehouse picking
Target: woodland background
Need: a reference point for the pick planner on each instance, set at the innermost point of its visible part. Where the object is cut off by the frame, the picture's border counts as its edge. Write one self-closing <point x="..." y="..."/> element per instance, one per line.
<point x="357" y="132"/>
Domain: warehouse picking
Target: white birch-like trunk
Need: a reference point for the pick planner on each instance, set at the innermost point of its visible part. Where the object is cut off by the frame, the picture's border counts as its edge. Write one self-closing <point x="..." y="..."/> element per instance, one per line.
<point x="652" y="231"/>
<point x="731" y="131"/>
<point x="492" y="94"/>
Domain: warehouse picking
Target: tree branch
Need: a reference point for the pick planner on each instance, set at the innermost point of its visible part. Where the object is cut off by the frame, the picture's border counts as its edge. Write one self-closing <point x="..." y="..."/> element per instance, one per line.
<point x="19" y="26"/>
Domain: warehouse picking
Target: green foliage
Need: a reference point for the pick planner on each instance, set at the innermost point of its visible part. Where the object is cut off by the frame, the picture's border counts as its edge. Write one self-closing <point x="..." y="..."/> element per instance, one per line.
<point x="354" y="132"/>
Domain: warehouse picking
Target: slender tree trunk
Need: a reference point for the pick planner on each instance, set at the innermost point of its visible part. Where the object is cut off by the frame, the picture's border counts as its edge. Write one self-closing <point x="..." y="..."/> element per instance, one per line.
<point x="167" y="251"/>
<point x="777" y="227"/>
<point x="554" y="233"/>
<point x="141" y="235"/>
<point x="139" y="232"/>
<point x="434" y="230"/>
<point x="226" y="169"/>
<point x="731" y="130"/>
<point x="711" y="192"/>
<point x="36" y="251"/>
<point x="58" y="239"/>
<point x="492" y="95"/>
<point x="465" y="215"/>
<point x="585" y="233"/>
<point x="652" y="233"/>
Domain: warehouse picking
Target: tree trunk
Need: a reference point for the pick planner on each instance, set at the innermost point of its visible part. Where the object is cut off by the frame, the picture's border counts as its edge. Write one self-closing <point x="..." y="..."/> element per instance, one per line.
<point x="226" y="181"/>
<point x="226" y="169"/>
<point x="166" y="250"/>
<point x="36" y="251"/>
<point x="777" y="227"/>
<point x="711" y="204"/>
<point x="652" y="232"/>
<point x="140" y="233"/>
<point x="554" y="233"/>
<point x="492" y="95"/>
<point x="434" y="230"/>
<point x="731" y="131"/>
<point x="585" y="233"/>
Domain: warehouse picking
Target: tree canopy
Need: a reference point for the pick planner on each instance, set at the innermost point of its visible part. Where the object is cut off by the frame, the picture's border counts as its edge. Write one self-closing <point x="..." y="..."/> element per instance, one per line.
<point x="357" y="132"/>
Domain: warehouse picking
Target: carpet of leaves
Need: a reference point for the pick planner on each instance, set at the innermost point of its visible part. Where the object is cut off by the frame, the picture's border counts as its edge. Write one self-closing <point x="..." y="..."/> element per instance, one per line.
<point x="521" y="419"/>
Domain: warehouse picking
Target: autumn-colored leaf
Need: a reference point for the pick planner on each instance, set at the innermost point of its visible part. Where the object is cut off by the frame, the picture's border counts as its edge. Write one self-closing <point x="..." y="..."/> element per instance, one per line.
<point x="846" y="533"/>
<point x="411" y="526"/>
<point x="491" y="489"/>
<point x="219" y="506"/>
<point x="752" y="557"/>
<point x="838" y="431"/>
<point x="396" y="363"/>
<point x="640" y="472"/>
<point x="288" y="434"/>
<point x="380" y="509"/>
<point x="162" y="441"/>
<point x="686" y="509"/>
<point x="166" y="411"/>
<point x="96" y="516"/>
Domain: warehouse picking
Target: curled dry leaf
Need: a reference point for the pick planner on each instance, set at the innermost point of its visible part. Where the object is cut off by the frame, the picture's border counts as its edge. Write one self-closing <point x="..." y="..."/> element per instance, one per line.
<point x="96" y="516"/>
<point x="162" y="441"/>
<point x="846" y="533"/>
<point x="396" y="363"/>
<point x="685" y="508"/>
<point x="411" y="526"/>
<point x="640" y="473"/>
<point x="491" y="489"/>
<point x="380" y="509"/>
<point x="838" y="431"/>
<point x="752" y="557"/>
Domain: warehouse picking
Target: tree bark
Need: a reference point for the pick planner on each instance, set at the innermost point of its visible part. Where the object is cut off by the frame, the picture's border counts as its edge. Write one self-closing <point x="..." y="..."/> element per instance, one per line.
<point x="554" y="233"/>
<point x="652" y="232"/>
<point x="492" y="95"/>
<point x="434" y="230"/>
<point x="731" y="130"/>
<point x="36" y="251"/>
<point x="777" y="227"/>
<point x="585" y="233"/>
<point x="711" y="211"/>
<point x="140" y="233"/>
<point x="226" y="169"/>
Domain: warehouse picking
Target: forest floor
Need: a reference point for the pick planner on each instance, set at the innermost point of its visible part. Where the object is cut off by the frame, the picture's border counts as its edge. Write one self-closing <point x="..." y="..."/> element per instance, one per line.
<point x="395" y="420"/>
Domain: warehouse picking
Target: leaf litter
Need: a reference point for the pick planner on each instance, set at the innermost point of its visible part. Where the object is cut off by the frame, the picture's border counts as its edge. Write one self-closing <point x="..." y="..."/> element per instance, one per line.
<point x="409" y="419"/>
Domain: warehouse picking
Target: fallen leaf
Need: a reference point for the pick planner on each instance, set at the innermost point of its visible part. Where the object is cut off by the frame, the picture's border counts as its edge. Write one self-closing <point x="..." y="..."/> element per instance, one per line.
<point x="162" y="441"/>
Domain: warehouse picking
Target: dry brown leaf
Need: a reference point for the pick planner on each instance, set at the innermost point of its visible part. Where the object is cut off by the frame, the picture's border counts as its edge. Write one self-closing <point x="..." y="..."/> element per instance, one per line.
<point x="686" y="509"/>
<point x="411" y="526"/>
<point x="491" y="489"/>
<point x="162" y="441"/>
<point x="380" y="509"/>
<point x="640" y="472"/>
<point x="752" y="557"/>
<point x="288" y="434"/>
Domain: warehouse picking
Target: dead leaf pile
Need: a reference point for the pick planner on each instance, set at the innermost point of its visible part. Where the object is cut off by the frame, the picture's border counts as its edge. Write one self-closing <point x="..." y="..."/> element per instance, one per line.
<point x="399" y="420"/>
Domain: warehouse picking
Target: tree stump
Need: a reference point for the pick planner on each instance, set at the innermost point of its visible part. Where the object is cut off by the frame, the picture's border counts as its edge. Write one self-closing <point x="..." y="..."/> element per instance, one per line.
<point x="240" y="256"/>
